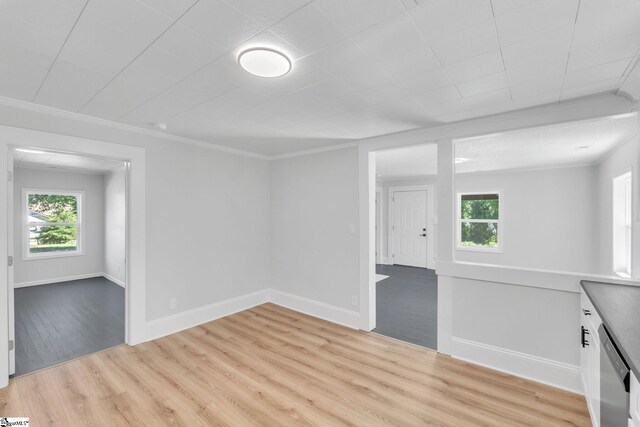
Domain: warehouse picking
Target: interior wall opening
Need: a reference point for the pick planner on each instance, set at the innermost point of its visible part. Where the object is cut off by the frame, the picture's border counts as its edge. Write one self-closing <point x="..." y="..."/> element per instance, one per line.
<point x="68" y="239"/>
<point x="406" y="282"/>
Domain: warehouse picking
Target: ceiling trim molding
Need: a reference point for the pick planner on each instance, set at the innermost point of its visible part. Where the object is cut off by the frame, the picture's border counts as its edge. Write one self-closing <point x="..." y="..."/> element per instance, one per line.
<point x="38" y="108"/>
<point x="61" y="169"/>
<point x="315" y="150"/>
<point x="585" y="108"/>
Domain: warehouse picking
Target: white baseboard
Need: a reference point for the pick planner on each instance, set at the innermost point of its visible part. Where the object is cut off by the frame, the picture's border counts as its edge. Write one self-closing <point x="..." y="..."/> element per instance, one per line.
<point x="535" y="368"/>
<point x="314" y="308"/>
<point x="57" y="280"/>
<point x="197" y="316"/>
<point x="113" y="279"/>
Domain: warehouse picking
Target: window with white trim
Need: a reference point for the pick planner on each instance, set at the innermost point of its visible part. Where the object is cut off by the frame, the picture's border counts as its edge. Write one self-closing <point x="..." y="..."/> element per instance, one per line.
<point x="622" y="213"/>
<point x="52" y="225"/>
<point x="479" y="221"/>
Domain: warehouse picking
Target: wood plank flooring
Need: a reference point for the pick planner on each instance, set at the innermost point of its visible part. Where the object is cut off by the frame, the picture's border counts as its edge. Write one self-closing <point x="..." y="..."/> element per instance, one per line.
<point x="269" y="366"/>
<point x="407" y="304"/>
<point x="63" y="321"/>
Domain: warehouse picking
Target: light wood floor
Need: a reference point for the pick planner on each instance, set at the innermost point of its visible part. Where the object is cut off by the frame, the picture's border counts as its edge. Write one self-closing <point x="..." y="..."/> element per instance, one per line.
<point x="272" y="366"/>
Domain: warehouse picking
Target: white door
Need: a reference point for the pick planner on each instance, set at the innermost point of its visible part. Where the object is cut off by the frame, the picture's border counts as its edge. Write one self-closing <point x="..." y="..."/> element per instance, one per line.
<point x="410" y="228"/>
<point x="11" y="311"/>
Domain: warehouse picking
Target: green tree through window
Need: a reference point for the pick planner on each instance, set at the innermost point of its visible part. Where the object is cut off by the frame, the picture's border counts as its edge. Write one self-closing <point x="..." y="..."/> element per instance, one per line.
<point x="479" y="218"/>
<point x="53" y="223"/>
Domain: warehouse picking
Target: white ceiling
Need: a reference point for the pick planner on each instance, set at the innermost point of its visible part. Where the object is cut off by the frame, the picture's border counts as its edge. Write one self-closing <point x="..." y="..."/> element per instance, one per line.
<point x="69" y="162"/>
<point x="541" y="147"/>
<point x="361" y="67"/>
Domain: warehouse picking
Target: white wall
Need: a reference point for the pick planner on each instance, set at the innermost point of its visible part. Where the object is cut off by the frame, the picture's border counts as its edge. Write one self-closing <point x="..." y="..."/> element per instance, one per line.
<point x="528" y="331"/>
<point x="621" y="160"/>
<point x="549" y="218"/>
<point x="43" y="269"/>
<point x="314" y="203"/>
<point x="114" y="225"/>
<point x="207" y="226"/>
<point x="207" y="213"/>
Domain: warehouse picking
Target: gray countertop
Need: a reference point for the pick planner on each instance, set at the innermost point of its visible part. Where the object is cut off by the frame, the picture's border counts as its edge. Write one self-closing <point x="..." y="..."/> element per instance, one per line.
<point x="619" y="308"/>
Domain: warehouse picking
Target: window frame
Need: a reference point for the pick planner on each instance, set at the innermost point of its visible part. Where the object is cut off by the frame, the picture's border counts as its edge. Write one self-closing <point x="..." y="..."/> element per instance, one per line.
<point x="627" y="175"/>
<point x="26" y="254"/>
<point x="499" y="248"/>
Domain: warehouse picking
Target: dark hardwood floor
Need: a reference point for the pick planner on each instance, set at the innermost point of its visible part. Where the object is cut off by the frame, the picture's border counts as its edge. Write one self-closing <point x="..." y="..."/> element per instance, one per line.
<point x="62" y="321"/>
<point x="407" y="304"/>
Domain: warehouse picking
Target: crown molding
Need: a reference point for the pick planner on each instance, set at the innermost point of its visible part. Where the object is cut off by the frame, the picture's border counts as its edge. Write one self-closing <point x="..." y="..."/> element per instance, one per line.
<point x="315" y="150"/>
<point x="43" y="109"/>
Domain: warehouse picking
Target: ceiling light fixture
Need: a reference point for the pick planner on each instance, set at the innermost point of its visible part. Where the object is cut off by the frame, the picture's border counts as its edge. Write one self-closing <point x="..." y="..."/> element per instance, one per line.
<point x="159" y="125"/>
<point x="264" y="62"/>
<point x="582" y="147"/>
<point x="26" y="150"/>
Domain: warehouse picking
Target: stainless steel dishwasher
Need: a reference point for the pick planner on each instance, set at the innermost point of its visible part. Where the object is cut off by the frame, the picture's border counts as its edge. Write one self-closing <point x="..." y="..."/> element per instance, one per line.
<point x="614" y="383"/>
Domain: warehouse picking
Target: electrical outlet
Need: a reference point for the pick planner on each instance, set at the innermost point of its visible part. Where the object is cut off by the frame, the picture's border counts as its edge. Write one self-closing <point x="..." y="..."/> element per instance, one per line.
<point x="354" y="300"/>
<point x="173" y="304"/>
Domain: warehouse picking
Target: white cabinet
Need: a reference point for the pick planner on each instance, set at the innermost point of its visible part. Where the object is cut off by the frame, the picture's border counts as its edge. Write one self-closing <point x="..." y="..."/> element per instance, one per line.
<point x="634" y="401"/>
<point x="590" y="357"/>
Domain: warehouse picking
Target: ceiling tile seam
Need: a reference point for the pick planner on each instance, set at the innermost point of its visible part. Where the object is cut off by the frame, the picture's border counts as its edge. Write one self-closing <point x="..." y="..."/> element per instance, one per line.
<point x="212" y="61"/>
<point x="139" y="55"/>
<point x="59" y="51"/>
<point x="44" y="109"/>
<point x="634" y="64"/>
<point x="573" y="33"/>
<point x="504" y="65"/>
<point x="393" y="79"/>
<point x="424" y="39"/>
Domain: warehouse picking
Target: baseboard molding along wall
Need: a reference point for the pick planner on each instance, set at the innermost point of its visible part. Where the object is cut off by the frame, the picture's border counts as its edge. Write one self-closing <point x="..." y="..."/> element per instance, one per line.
<point x="314" y="308"/>
<point x="197" y="316"/>
<point x="546" y="371"/>
<point x="113" y="279"/>
<point x="535" y="368"/>
<point x="57" y="280"/>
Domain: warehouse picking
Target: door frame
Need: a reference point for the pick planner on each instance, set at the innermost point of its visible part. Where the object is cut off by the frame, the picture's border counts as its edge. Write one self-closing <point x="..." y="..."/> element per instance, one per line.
<point x="135" y="229"/>
<point x="430" y="211"/>
<point x="380" y="229"/>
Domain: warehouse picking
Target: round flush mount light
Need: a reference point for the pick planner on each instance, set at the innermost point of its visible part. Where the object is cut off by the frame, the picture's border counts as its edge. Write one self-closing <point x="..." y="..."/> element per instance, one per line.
<point x="264" y="62"/>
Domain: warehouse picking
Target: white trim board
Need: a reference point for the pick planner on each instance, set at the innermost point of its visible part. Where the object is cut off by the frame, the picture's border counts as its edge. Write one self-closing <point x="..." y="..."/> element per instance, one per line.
<point x="331" y="313"/>
<point x="114" y="280"/>
<point x="535" y="368"/>
<point x="30" y="106"/>
<point x="58" y="280"/>
<point x="197" y="316"/>
<point x="187" y="319"/>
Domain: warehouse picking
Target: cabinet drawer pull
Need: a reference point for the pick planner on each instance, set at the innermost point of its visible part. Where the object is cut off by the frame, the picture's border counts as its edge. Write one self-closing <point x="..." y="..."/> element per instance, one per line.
<point x="586" y="312"/>
<point x="583" y="338"/>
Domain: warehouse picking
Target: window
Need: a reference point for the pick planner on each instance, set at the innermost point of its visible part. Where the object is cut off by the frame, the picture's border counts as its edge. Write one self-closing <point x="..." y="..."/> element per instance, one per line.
<point x="622" y="225"/>
<point x="479" y="221"/>
<point x="52" y="223"/>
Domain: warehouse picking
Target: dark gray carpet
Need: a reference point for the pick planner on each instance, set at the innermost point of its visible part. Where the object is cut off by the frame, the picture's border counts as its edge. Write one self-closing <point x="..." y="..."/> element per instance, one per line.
<point x="62" y="321"/>
<point x="407" y="304"/>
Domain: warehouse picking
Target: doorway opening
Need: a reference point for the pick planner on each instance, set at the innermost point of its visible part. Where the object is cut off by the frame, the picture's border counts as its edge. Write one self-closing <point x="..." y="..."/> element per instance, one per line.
<point x="406" y="293"/>
<point x="68" y="238"/>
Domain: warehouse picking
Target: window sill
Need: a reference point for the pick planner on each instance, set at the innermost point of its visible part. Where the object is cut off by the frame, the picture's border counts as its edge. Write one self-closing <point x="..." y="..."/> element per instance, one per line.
<point x="41" y="257"/>
<point x="496" y="250"/>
